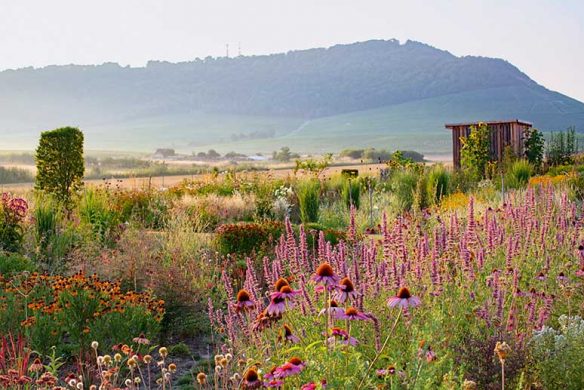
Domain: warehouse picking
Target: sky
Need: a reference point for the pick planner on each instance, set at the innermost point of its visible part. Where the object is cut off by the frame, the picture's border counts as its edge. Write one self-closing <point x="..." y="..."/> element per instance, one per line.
<point x="543" y="38"/>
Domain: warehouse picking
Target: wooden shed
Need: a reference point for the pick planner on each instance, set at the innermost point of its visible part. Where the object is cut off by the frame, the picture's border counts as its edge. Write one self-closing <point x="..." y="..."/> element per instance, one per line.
<point x="503" y="133"/>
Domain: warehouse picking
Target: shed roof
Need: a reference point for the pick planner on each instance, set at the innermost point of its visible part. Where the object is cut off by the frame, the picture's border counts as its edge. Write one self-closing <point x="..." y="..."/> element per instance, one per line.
<point x="500" y="122"/>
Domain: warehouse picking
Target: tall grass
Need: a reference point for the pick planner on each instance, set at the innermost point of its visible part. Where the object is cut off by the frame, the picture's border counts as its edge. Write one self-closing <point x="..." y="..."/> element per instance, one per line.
<point x="519" y="174"/>
<point x="438" y="182"/>
<point x="351" y="192"/>
<point x="308" y="192"/>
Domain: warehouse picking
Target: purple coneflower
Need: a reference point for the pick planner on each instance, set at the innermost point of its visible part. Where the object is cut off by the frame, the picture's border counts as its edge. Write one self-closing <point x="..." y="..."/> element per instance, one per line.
<point x="274" y="384"/>
<point x="291" y="367"/>
<point x="386" y="371"/>
<point x="309" y="386"/>
<point x="276" y="307"/>
<point x="403" y="299"/>
<point x="281" y="282"/>
<point x="141" y="339"/>
<point x="561" y="277"/>
<point x="251" y="379"/>
<point x="580" y="273"/>
<point x="285" y="292"/>
<point x="343" y="336"/>
<point x="541" y="276"/>
<point x="325" y="275"/>
<point x="243" y="301"/>
<point x="352" y="314"/>
<point x="346" y="290"/>
<point x="288" y="335"/>
<point x="333" y="309"/>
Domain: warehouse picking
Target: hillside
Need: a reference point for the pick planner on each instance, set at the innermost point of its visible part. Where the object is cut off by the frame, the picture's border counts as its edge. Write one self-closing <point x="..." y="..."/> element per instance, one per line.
<point x="370" y="93"/>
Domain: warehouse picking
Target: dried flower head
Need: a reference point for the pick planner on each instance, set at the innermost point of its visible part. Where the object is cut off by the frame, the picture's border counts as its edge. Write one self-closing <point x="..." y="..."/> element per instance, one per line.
<point x="502" y="349"/>
<point x="202" y="378"/>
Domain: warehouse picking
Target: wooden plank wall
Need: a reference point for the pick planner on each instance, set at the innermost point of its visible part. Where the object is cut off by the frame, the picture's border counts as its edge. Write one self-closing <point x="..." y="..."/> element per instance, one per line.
<point x="501" y="135"/>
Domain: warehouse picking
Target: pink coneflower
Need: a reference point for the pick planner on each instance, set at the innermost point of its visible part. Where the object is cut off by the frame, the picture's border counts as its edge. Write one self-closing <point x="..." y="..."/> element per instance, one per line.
<point x="580" y="273"/>
<point x="251" y="379"/>
<point x="333" y="309"/>
<point x="291" y="367"/>
<point x="243" y="301"/>
<point x="403" y="299"/>
<point x="309" y="386"/>
<point x="343" y="336"/>
<point x="276" y="307"/>
<point x="352" y="314"/>
<point x="325" y="275"/>
<point x="319" y="289"/>
<point x="274" y="383"/>
<point x="287" y="335"/>
<point x="561" y="277"/>
<point x="285" y="292"/>
<point x="141" y="339"/>
<point x="541" y="276"/>
<point x="346" y="290"/>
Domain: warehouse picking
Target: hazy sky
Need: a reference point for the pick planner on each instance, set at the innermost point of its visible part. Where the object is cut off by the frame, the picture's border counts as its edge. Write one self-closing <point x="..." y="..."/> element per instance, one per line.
<point x="544" y="38"/>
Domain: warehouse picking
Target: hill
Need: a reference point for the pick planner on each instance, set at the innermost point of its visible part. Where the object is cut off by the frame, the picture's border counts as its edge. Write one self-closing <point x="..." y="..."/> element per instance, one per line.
<point x="369" y="93"/>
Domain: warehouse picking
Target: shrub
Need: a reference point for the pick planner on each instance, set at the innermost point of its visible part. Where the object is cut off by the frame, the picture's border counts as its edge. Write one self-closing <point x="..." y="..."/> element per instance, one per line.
<point x="519" y="174"/>
<point x="247" y="237"/>
<point x="14" y="263"/>
<point x="12" y="213"/>
<point x="70" y="312"/>
<point x="558" y="354"/>
<point x="15" y="175"/>
<point x="308" y="192"/>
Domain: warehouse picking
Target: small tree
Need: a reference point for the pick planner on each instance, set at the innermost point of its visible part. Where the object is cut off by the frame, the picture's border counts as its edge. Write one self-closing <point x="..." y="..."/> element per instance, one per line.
<point x="475" y="150"/>
<point x="534" y="147"/>
<point x="59" y="162"/>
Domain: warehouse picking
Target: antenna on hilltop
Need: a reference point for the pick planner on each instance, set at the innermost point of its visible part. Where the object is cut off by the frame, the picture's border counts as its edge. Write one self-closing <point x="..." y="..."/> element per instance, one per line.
<point x="227" y="50"/>
<point x="239" y="49"/>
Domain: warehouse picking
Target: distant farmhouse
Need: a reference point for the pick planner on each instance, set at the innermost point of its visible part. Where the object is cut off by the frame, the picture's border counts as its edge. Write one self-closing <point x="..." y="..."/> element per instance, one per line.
<point x="503" y="133"/>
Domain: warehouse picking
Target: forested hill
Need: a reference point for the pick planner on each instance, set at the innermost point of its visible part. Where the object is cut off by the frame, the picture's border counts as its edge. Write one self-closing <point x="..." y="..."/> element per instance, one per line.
<point x="303" y="85"/>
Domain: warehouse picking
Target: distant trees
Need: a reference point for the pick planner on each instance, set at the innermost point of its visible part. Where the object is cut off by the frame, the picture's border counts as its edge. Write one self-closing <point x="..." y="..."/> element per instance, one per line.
<point x="60" y="164"/>
<point x="284" y="155"/>
<point x="372" y="154"/>
<point x="165" y="152"/>
<point x="562" y="147"/>
<point x="475" y="151"/>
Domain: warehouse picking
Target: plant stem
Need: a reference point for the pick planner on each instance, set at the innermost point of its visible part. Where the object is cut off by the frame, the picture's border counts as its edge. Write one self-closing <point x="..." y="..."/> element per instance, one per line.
<point x="380" y="351"/>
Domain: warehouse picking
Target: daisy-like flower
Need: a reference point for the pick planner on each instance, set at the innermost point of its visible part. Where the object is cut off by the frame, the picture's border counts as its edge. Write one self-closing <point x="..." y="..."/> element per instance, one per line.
<point x="141" y="339"/>
<point x="309" y="386"/>
<point x="287" y="335"/>
<point x="243" y="301"/>
<point x="285" y="292"/>
<point x="251" y="379"/>
<point x="291" y="367"/>
<point x="333" y="309"/>
<point x="346" y="290"/>
<point x="403" y="299"/>
<point x="325" y="275"/>
<point x="276" y="307"/>
<point x="343" y="336"/>
<point x="580" y="273"/>
<point x="561" y="277"/>
<point x="352" y="314"/>
<point x="541" y="276"/>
